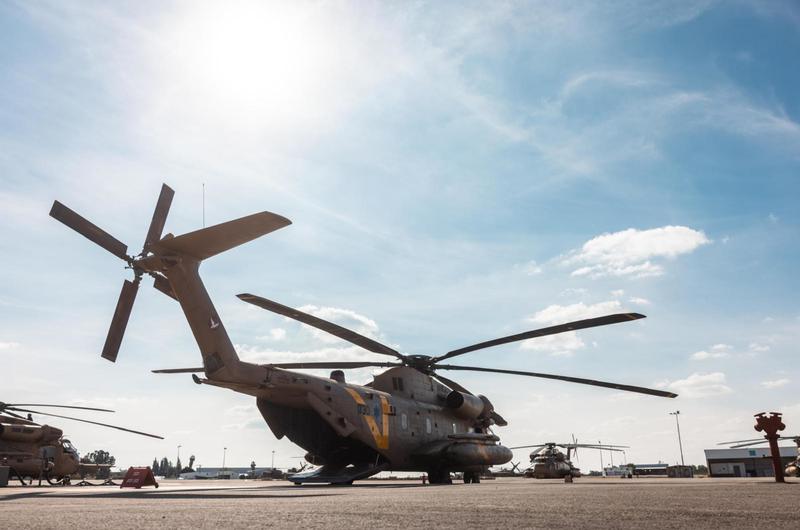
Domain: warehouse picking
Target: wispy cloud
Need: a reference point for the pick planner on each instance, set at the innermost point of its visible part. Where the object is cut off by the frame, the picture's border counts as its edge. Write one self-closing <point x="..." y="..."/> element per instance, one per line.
<point x="775" y="383"/>
<point x="717" y="351"/>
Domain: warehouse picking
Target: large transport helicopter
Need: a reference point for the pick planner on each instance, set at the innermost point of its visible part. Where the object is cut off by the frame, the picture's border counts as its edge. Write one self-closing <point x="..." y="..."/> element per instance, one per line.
<point x="409" y="418"/>
<point x="33" y="450"/>
<point x="548" y="462"/>
<point x="792" y="469"/>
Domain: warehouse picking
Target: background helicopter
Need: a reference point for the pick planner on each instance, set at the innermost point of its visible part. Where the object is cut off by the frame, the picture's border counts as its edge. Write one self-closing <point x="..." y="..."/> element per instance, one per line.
<point x="792" y="469"/>
<point x="548" y="462"/>
<point x="40" y="451"/>
<point x="512" y="471"/>
<point x="410" y="418"/>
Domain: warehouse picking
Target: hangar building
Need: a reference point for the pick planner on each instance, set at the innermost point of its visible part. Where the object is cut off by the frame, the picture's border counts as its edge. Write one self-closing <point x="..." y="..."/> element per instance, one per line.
<point x="748" y="462"/>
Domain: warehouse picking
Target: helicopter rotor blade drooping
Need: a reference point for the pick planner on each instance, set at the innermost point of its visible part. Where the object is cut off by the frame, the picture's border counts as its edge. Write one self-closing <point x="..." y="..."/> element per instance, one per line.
<point x="429" y="365"/>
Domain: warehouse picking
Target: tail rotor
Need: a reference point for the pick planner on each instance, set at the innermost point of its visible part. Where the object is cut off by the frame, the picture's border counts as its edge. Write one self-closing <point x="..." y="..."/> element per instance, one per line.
<point x="105" y="240"/>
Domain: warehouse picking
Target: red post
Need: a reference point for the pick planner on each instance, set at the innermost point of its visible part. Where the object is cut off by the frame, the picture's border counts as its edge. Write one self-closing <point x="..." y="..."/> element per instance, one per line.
<point x="770" y="425"/>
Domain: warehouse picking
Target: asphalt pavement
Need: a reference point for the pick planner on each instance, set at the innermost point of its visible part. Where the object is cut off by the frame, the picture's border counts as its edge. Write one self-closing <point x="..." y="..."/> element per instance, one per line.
<point x="500" y="503"/>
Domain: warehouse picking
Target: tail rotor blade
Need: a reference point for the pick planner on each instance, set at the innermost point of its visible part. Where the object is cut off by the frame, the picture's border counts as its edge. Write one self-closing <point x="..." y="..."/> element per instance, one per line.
<point x="120" y="320"/>
<point x="159" y="216"/>
<point x="89" y="230"/>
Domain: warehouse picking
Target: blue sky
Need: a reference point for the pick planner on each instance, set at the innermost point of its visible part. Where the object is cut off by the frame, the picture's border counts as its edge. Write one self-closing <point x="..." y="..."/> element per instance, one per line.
<point x="454" y="171"/>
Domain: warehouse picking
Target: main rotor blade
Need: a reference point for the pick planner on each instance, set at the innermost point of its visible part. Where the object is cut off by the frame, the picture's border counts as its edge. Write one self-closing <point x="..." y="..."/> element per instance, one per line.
<point x="617" y="386"/>
<point x="600" y="447"/>
<point x="159" y="216"/>
<point x="93" y="423"/>
<point x="452" y="384"/>
<point x="538" y="446"/>
<point x="14" y="405"/>
<point x="742" y="441"/>
<point x="323" y="364"/>
<point x="120" y="321"/>
<point x="329" y="327"/>
<point x="552" y="330"/>
<point x="739" y="446"/>
<point x="89" y="230"/>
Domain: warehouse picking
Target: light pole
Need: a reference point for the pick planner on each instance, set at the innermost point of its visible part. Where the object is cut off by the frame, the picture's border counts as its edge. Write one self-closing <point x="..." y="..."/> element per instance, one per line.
<point x="224" y="452"/>
<point x="602" y="469"/>
<point x="179" y="456"/>
<point x="678" y="424"/>
<point x="273" y="460"/>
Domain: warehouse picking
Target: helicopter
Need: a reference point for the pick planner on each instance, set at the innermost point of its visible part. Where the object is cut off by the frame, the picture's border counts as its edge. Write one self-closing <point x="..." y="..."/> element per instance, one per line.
<point x="792" y="469"/>
<point x="409" y="418"/>
<point x="548" y="462"/>
<point x="33" y="450"/>
<point x="512" y="471"/>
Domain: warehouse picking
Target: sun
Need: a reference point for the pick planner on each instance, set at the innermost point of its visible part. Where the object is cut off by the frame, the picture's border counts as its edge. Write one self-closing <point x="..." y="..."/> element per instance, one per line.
<point x="252" y="61"/>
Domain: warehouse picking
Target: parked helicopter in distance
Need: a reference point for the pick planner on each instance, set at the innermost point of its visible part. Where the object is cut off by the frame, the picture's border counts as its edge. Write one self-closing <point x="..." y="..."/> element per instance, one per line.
<point x="792" y="469"/>
<point x="40" y="451"/>
<point x="548" y="462"/>
<point x="409" y="418"/>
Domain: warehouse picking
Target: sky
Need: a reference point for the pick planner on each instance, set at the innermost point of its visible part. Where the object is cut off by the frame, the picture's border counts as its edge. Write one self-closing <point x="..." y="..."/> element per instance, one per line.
<point x="454" y="171"/>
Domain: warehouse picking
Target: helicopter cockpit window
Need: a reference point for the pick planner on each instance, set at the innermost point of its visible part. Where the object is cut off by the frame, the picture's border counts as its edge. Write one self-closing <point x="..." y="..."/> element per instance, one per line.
<point x="67" y="446"/>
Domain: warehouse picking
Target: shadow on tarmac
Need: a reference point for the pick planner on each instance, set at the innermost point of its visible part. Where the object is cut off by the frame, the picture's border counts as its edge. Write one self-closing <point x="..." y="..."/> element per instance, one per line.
<point x="199" y="493"/>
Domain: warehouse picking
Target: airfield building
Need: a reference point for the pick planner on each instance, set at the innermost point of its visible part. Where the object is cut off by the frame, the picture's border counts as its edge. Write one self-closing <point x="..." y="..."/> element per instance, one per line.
<point x="748" y="462"/>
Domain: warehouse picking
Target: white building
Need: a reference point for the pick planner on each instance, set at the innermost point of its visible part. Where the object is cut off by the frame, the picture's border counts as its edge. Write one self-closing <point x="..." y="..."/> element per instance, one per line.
<point x="747" y="462"/>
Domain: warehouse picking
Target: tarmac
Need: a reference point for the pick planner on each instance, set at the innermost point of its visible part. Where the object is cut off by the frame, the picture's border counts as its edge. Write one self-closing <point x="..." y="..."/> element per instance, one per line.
<point x="500" y="503"/>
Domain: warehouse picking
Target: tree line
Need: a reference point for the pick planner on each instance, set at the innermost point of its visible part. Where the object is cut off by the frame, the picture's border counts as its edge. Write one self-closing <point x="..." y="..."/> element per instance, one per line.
<point x="165" y="468"/>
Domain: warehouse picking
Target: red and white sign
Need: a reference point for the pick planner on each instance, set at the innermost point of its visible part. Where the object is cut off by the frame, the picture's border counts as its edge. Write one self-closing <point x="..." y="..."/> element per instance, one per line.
<point x="136" y="477"/>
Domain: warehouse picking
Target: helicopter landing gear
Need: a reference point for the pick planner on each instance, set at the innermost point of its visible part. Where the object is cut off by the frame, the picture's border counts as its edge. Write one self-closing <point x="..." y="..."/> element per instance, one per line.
<point x="439" y="476"/>
<point x="472" y="477"/>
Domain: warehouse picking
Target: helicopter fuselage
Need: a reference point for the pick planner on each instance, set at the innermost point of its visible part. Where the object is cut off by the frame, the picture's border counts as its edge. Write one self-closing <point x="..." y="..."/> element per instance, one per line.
<point x="400" y="421"/>
<point x="36" y="450"/>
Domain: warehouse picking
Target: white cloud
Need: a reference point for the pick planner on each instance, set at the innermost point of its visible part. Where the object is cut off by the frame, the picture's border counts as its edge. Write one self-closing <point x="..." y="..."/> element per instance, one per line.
<point x="639" y="301"/>
<point x="8" y="345"/>
<point x="777" y="383"/>
<point x="630" y="252"/>
<point x="698" y="385"/>
<point x="717" y="351"/>
<point x="755" y="347"/>
<point x="572" y="291"/>
<point x="277" y="333"/>
<point x="618" y="293"/>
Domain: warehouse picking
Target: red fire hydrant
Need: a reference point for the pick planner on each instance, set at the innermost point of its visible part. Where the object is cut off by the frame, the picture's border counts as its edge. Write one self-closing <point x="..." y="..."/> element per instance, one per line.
<point x="770" y="425"/>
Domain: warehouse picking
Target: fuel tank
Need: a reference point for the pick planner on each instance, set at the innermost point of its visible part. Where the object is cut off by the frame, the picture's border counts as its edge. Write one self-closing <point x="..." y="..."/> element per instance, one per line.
<point x="464" y="451"/>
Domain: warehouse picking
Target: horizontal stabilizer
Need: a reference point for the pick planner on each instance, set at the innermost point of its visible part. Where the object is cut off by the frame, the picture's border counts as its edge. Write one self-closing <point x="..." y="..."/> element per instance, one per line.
<point x="207" y="242"/>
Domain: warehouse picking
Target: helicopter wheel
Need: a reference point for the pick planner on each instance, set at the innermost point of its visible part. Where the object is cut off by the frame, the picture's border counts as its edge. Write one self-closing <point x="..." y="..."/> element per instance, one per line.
<point x="437" y="476"/>
<point x="472" y="477"/>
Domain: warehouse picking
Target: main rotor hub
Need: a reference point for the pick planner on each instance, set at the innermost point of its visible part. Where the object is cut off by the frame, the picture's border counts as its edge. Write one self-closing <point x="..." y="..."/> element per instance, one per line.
<point x="420" y="362"/>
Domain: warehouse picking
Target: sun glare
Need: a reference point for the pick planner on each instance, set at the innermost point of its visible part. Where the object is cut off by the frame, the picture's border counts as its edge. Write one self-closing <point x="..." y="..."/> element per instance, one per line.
<point x="253" y="60"/>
